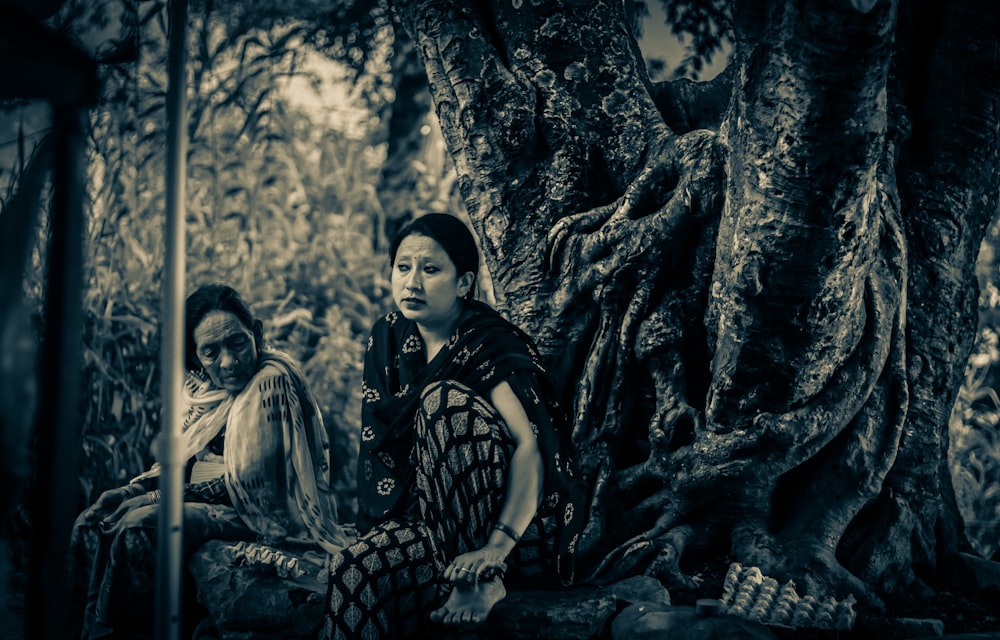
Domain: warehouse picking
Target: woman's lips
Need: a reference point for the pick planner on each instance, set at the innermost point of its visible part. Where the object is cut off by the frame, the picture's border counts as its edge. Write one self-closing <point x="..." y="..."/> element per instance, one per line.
<point x="237" y="379"/>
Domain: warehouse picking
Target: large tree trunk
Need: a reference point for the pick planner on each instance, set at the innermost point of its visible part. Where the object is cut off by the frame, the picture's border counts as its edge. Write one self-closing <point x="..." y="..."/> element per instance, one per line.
<point x="759" y="291"/>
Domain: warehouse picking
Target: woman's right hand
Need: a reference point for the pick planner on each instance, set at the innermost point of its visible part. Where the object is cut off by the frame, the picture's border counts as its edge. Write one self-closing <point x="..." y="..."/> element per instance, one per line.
<point x="109" y="501"/>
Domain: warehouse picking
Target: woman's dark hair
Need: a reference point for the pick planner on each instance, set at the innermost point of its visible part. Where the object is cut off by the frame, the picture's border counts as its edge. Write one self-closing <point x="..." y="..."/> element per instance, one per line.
<point x="453" y="236"/>
<point x="215" y="297"/>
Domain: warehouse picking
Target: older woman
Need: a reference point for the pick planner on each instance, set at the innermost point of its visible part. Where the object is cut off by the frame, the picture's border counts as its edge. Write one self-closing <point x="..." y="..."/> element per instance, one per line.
<point x="463" y="479"/>
<point x="258" y="468"/>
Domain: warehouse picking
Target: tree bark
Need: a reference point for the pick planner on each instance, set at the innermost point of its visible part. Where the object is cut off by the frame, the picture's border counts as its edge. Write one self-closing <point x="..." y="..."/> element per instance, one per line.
<point x="759" y="291"/>
<point x="947" y="178"/>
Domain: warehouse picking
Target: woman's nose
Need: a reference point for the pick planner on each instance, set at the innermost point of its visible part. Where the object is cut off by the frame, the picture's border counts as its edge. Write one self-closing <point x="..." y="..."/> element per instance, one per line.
<point x="414" y="282"/>
<point x="227" y="359"/>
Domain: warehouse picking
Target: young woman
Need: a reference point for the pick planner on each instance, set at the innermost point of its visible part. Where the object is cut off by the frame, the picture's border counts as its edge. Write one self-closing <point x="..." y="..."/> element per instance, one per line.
<point x="258" y="468"/>
<point x="463" y="478"/>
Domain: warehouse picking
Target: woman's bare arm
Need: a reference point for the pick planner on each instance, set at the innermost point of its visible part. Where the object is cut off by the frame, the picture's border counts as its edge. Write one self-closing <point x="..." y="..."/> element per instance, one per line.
<point x="524" y="478"/>
<point x="523" y="493"/>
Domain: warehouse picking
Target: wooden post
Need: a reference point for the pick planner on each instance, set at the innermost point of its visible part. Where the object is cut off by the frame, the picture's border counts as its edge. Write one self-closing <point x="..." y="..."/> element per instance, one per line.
<point x="57" y="426"/>
<point x="170" y="564"/>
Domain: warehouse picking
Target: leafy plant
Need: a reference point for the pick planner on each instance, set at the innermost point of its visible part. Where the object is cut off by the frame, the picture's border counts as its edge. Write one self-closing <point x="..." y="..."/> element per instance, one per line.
<point x="280" y="204"/>
<point x="974" y="458"/>
<point x="974" y="426"/>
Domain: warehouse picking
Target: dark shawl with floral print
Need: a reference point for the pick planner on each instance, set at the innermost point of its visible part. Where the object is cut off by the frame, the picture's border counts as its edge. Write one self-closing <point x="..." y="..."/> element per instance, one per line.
<point x="485" y="350"/>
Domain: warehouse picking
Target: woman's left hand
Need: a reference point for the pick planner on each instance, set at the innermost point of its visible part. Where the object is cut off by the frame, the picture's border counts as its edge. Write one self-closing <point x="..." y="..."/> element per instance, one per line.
<point x="468" y="567"/>
<point x="148" y="498"/>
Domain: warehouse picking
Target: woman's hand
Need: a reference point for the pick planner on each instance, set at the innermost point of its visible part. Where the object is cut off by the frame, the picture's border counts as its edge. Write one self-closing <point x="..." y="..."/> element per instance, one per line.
<point x="469" y="567"/>
<point x="109" y="501"/>
<point x="148" y="498"/>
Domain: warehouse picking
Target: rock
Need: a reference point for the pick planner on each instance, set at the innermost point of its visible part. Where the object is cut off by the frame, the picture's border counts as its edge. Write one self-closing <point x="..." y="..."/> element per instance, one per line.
<point x="639" y="589"/>
<point x="251" y="601"/>
<point x="579" y="613"/>
<point x="973" y="573"/>
<point x="647" y="621"/>
<point x="917" y="627"/>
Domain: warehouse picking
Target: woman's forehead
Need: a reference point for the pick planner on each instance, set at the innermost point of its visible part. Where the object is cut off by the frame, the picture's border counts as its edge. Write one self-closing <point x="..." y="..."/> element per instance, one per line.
<point x="217" y="326"/>
<point x="420" y="246"/>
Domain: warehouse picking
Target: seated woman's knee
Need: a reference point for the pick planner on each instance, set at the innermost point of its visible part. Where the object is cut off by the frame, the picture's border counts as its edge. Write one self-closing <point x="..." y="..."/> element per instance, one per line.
<point x="441" y="394"/>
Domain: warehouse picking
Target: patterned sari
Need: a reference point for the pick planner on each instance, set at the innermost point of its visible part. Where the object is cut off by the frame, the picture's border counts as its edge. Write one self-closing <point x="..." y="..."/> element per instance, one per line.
<point x="432" y="470"/>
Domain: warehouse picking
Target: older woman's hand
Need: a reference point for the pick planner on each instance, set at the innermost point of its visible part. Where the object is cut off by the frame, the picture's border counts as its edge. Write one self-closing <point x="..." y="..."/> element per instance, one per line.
<point x="148" y="498"/>
<point x="109" y="501"/>
<point x="472" y="566"/>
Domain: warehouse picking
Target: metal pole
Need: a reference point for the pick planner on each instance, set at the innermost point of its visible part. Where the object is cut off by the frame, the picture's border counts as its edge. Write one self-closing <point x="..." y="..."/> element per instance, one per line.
<point x="170" y="563"/>
<point x="58" y="421"/>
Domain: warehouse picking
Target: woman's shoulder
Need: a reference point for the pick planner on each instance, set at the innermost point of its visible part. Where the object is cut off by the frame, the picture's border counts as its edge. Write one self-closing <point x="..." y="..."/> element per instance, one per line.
<point x="391" y="324"/>
<point x="271" y="382"/>
<point x="389" y="320"/>
<point x="271" y="369"/>
<point x="271" y="374"/>
<point x="485" y="320"/>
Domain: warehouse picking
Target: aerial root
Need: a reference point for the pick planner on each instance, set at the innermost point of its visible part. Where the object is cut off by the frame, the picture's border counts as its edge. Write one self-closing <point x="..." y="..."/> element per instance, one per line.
<point x="666" y="566"/>
<point x="637" y="551"/>
<point x="646" y="194"/>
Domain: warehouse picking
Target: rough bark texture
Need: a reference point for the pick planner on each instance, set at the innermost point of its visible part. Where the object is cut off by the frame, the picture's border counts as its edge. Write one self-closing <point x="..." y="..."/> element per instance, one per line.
<point x="758" y="291"/>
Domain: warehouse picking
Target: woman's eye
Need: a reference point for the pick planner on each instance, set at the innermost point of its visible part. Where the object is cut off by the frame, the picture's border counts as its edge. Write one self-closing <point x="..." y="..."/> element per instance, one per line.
<point x="209" y="354"/>
<point x="402" y="268"/>
<point x="431" y="269"/>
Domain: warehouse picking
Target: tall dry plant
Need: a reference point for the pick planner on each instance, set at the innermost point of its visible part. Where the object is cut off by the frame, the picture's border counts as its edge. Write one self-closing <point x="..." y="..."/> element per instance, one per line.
<point x="280" y="204"/>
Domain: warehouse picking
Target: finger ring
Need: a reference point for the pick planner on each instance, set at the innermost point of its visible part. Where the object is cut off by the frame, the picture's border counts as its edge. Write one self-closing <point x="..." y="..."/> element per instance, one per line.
<point x="463" y="569"/>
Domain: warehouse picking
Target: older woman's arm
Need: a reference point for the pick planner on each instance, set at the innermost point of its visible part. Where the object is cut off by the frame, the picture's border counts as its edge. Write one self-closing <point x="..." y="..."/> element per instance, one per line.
<point x="210" y="491"/>
<point x="523" y="493"/>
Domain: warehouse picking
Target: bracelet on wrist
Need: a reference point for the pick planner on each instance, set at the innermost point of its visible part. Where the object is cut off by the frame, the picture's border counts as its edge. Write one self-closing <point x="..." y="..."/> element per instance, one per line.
<point x="508" y="531"/>
<point x="154" y="495"/>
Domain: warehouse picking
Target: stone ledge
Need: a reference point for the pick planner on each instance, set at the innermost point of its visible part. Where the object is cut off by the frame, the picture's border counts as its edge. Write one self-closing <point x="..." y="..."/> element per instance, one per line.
<point x="255" y="603"/>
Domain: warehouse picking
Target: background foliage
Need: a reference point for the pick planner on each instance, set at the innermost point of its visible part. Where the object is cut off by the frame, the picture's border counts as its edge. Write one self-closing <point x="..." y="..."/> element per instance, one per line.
<point x="974" y="450"/>
<point x="280" y="204"/>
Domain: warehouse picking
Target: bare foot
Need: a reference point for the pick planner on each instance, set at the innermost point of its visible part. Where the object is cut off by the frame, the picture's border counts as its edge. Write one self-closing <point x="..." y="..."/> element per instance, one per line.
<point x="470" y="603"/>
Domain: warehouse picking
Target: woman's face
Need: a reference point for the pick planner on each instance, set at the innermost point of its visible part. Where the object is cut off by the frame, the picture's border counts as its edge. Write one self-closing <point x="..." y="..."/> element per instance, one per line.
<point x="226" y="349"/>
<point x="426" y="286"/>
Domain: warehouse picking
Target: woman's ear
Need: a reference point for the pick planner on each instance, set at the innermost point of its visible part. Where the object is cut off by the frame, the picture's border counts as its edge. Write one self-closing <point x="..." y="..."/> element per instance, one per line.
<point x="467" y="285"/>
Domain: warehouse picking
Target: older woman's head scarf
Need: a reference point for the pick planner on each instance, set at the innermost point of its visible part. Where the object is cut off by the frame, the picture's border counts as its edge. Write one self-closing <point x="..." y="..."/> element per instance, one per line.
<point x="307" y="473"/>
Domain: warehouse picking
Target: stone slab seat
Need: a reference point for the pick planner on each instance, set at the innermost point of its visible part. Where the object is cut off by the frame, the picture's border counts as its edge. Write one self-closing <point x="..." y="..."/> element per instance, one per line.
<point x="252" y="601"/>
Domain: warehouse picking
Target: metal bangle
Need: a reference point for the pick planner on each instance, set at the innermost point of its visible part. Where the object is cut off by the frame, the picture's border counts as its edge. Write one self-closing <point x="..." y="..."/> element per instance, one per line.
<point x="508" y="531"/>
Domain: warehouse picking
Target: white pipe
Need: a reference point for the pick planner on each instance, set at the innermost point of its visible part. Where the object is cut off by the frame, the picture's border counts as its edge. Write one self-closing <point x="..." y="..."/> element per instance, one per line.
<point x="170" y="564"/>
